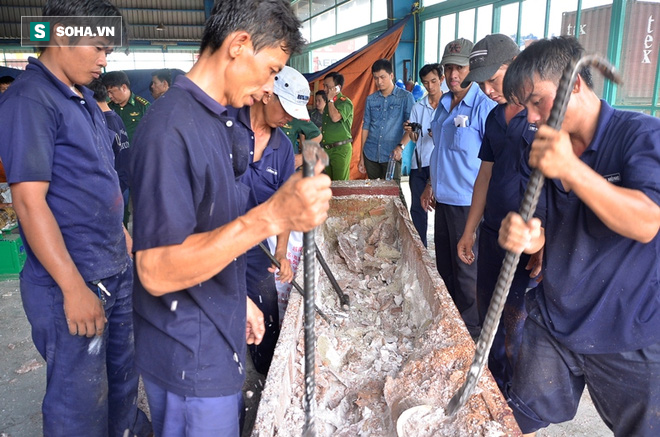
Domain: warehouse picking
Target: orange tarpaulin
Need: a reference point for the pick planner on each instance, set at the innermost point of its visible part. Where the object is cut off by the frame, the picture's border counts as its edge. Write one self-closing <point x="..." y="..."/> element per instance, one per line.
<point x="358" y="82"/>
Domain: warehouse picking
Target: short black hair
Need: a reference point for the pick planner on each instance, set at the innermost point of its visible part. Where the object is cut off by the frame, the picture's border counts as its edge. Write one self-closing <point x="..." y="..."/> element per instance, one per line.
<point x="322" y="94"/>
<point x="70" y="9"/>
<point x="270" y="23"/>
<point x="99" y="90"/>
<point x="116" y="79"/>
<point x="547" y="58"/>
<point x="6" y="79"/>
<point x="164" y="74"/>
<point x="336" y="77"/>
<point x="382" y="64"/>
<point x="428" y="68"/>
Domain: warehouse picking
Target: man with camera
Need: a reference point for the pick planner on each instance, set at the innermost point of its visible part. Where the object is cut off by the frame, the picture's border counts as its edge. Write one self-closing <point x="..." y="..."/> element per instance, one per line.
<point x="417" y="129"/>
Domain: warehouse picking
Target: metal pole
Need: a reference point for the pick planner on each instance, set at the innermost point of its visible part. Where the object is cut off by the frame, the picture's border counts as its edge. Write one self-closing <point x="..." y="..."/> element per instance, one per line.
<point x="310" y="157"/>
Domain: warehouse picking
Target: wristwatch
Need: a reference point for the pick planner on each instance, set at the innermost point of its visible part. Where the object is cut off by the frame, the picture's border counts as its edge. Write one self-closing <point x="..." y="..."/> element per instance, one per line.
<point x="402" y="146"/>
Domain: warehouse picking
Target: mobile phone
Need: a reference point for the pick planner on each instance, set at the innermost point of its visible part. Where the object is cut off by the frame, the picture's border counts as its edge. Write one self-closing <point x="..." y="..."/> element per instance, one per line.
<point x="337" y="89"/>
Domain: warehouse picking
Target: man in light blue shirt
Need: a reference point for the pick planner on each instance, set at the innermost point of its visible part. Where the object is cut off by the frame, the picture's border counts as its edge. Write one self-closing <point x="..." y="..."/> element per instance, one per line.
<point x="458" y="129"/>
<point x="384" y="114"/>
<point x="422" y="114"/>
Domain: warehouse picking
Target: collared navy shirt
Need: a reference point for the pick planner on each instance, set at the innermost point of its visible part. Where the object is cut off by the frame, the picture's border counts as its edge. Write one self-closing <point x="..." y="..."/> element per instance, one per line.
<point x="601" y="291"/>
<point x="503" y="145"/>
<point x="51" y="134"/>
<point x="383" y="118"/>
<point x="183" y="182"/>
<point x="264" y="178"/>
<point x="275" y="166"/>
<point x="120" y="146"/>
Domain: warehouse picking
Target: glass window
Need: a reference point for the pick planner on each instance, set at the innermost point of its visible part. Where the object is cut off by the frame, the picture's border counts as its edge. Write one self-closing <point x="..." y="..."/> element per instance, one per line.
<point x="430" y="30"/>
<point x="351" y="15"/>
<point x="325" y="56"/>
<point x="466" y="24"/>
<point x="305" y="31"/>
<point x="532" y="21"/>
<point x="183" y="61"/>
<point x="559" y="23"/>
<point x="447" y="31"/>
<point x="16" y="59"/>
<point x="120" y="61"/>
<point x="432" y="2"/>
<point x="301" y="8"/>
<point x="378" y="10"/>
<point x="321" y="5"/>
<point x="323" y="26"/>
<point x="484" y="21"/>
<point x="509" y="20"/>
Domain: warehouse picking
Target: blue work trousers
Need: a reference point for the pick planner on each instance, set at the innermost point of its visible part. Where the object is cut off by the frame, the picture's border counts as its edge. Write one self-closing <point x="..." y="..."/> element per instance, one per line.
<point x="506" y="345"/>
<point x="417" y="181"/>
<point x="189" y="416"/>
<point x="460" y="278"/>
<point x="549" y="379"/>
<point x="262" y="290"/>
<point x="91" y="383"/>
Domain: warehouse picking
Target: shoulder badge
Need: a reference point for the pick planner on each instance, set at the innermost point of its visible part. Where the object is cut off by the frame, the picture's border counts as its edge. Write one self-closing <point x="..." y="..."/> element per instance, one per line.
<point x="142" y="100"/>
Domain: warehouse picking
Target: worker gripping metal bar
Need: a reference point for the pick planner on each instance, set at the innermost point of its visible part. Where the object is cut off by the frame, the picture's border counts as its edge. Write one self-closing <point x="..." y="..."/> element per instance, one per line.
<point x="527" y="209"/>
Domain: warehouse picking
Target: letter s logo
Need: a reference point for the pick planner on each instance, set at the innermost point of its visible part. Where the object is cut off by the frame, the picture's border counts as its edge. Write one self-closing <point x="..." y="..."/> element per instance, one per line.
<point x="39" y="31"/>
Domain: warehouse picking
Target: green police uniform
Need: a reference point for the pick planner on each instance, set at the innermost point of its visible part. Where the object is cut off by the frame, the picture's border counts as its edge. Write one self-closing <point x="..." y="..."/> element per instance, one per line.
<point x="131" y="113"/>
<point x="295" y="127"/>
<point x="337" y="140"/>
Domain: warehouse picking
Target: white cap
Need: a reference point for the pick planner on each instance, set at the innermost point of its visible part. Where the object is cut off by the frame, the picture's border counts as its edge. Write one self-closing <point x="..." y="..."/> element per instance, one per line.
<point x="292" y="89"/>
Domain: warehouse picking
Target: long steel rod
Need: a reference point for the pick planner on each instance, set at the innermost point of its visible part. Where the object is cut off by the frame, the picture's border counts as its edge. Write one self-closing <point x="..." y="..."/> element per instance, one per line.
<point x="310" y="157"/>
<point x="344" y="300"/>
<point x="298" y="288"/>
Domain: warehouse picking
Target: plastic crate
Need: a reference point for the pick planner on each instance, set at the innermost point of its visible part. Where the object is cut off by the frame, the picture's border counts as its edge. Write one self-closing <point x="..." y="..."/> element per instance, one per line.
<point x="12" y="256"/>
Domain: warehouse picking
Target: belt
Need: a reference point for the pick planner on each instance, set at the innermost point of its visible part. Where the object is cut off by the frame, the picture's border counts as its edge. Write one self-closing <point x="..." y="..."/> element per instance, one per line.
<point x="337" y="144"/>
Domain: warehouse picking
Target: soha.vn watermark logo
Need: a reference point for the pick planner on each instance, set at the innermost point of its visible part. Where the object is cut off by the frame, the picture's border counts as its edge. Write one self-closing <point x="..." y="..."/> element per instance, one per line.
<point x="71" y="31"/>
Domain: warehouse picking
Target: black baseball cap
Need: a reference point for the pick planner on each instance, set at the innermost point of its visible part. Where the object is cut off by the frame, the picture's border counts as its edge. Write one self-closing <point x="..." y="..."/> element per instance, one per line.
<point x="488" y="55"/>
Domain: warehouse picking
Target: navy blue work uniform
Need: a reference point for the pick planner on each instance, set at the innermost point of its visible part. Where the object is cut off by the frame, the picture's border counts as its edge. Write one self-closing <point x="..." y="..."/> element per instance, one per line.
<point x="264" y="177"/>
<point x="189" y="343"/>
<point x="595" y="318"/>
<point x="52" y="134"/>
<point x="503" y="145"/>
<point x="120" y="147"/>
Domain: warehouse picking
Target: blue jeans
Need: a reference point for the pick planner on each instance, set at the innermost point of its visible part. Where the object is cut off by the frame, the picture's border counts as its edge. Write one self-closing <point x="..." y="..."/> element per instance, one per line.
<point x="90" y="391"/>
<point x="187" y="416"/>
<point x="549" y="379"/>
<point x="418" y="178"/>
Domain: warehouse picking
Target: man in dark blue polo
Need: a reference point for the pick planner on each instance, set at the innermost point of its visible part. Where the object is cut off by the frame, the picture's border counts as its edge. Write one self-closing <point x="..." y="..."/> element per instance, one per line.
<point x="272" y="164"/>
<point x="595" y="318"/>
<point x="191" y="227"/>
<point x="496" y="192"/>
<point x="76" y="285"/>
